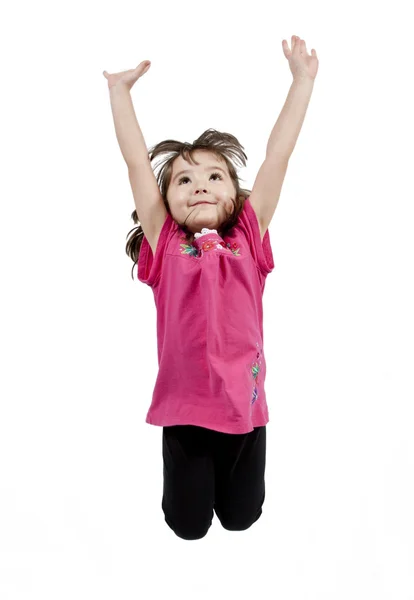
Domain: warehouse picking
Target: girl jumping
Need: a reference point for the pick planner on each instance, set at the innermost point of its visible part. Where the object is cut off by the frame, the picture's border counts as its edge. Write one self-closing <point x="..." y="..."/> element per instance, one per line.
<point x="203" y="247"/>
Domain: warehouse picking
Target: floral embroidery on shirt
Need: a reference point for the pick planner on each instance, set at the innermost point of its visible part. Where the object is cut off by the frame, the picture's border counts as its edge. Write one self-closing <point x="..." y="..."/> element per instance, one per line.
<point x="208" y="246"/>
<point x="255" y="368"/>
<point x="188" y="248"/>
<point x="234" y="248"/>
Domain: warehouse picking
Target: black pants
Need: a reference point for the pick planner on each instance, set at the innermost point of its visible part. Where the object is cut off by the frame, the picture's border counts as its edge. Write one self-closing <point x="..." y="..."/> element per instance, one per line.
<point x="206" y="471"/>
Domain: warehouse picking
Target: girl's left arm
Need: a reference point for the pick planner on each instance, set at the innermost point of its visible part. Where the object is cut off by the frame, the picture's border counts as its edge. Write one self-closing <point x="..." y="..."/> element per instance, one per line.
<point x="286" y="131"/>
<point x="268" y="184"/>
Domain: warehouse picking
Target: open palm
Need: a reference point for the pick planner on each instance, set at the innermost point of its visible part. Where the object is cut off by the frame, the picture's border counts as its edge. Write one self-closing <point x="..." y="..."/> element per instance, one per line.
<point x="302" y="64"/>
<point x="129" y="77"/>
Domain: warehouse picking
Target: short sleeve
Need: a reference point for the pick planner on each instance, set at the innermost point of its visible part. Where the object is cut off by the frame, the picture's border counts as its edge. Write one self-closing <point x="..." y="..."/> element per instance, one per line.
<point x="149" y="266"/>
<point x="261" y="250"/>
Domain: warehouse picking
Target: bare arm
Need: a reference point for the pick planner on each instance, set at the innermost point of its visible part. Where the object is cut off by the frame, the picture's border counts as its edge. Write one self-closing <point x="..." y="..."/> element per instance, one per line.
<point x="128" y="132"/>
<point x="149" y="203"/>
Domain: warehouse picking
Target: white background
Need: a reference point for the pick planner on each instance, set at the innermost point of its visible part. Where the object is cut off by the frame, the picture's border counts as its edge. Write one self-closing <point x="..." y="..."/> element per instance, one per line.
<point x="80" y="470"/>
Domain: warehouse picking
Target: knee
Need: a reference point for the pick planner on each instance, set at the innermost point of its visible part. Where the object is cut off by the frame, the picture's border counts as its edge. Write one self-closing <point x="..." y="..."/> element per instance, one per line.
<point x="188" y="533"/>
<point x="239" y="524"/>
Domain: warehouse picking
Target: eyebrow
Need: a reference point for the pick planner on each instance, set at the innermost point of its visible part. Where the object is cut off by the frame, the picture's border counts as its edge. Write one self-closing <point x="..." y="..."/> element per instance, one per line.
<point x="206" y="169"/>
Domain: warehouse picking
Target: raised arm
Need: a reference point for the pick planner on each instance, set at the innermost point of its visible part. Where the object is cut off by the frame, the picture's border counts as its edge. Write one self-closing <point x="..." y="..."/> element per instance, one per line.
<point x="283" y="137"/>
<point x="149" y="203"/>
<point x="128" y="132"/>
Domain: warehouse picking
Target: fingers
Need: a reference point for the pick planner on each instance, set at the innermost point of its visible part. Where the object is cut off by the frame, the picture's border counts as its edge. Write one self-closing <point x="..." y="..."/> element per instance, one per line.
<point x="296" y="44"/>
<point x="145" y="64"/>
<point x="285" y="47"/>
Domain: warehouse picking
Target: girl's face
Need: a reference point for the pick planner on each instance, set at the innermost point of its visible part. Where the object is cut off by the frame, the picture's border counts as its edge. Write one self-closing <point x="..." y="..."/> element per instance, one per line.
<point x="207" y="182"/>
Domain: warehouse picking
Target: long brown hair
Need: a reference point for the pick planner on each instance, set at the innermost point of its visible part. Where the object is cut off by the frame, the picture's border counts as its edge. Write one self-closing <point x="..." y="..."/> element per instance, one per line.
<point x="222" y="145"/>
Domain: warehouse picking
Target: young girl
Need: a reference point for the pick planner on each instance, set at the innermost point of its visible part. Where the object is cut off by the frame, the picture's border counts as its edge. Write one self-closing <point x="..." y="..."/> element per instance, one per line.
<point x="203" y="247"/>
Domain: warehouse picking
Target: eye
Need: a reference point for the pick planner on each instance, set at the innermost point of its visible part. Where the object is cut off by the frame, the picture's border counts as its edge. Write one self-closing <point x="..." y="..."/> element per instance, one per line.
<point x="212" y="175"/>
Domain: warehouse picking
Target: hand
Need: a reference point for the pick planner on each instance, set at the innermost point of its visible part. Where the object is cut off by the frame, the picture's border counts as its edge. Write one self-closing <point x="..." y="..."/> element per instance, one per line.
<point x="127" y="78"/>
<point x="301" y="64"/>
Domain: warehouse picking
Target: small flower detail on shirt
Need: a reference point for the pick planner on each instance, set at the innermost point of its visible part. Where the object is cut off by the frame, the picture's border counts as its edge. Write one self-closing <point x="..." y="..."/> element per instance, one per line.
<point x="234" y="248"/>
<point x="189" y="249"/>
<point x="208" y="245"/>
<point x="255" y="368"/>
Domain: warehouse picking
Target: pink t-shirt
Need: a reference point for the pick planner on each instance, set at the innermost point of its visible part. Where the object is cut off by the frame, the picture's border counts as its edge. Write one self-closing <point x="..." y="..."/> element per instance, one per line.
<point x="208" y="297"/>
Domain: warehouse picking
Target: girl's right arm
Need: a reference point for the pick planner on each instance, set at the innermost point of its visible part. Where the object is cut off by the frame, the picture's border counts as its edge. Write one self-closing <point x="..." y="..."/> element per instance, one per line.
<point x="149" y="203"/>
<point x="128" y="132"/>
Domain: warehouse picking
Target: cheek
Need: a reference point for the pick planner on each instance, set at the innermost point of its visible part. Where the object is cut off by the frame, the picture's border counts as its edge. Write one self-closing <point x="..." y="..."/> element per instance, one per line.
<point x="229" y="203"/>
<point x="226" y="208"/>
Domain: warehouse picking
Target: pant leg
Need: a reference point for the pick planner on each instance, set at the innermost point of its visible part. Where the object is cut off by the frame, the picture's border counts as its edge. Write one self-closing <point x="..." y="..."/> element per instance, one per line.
<point x="240" y="463"/>
<point x="188" y="494"/>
